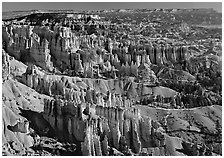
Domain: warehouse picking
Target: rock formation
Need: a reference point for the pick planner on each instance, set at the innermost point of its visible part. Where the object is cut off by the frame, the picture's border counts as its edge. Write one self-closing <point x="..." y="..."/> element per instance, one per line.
<point x="107" y="88"/>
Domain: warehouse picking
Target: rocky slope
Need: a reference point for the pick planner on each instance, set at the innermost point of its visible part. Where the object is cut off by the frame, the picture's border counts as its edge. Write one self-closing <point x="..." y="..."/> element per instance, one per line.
<point x="66" y="92"/>
<point x="105" y="124"/>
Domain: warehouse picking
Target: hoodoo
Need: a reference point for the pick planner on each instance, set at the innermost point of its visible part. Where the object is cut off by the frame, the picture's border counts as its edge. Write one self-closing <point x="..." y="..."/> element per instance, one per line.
<point x="127" y="82"/>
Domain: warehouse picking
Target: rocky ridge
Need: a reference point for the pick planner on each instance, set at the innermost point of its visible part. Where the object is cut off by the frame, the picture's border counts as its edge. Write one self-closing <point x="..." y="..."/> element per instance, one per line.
<point x="108" y="96"/>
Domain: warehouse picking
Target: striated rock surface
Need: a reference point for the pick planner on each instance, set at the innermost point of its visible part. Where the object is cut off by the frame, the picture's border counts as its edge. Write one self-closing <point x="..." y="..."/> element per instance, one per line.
<point x="79" y="85"/>
<point x="61" y="46"/>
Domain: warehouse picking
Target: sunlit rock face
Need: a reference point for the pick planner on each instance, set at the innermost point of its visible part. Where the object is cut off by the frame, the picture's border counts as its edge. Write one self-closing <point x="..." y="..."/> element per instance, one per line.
<point x="59" y="46"/>
<point x="108" y="120"/>
<point x="26" y="45"/>
<point x="107" y="124"/>
<point x="5" y="65"/>
<point x="102" y="89"/>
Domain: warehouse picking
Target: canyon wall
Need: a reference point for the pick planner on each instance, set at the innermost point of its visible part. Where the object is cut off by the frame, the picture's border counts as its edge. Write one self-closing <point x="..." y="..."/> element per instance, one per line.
<point x="59" y="47"/>
<point x="93" y="113"/>
<point x="102" y="126"/>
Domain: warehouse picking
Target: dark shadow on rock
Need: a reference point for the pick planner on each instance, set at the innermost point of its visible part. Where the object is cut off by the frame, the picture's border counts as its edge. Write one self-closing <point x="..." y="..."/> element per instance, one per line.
<point x="43" y="128"/>
<point x="56" y="148"/>
<point x="186" y="149"/>
<point x="183" y="151"/>
<point x="19" y="78"/>
<point x="38" y="123"/>
<point x="19" y="127"/>
<point x="10" y="128"/>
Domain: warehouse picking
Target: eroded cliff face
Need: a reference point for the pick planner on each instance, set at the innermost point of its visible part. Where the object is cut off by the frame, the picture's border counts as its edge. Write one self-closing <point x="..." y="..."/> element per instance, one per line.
<point x="97" y="88"/>
<point x="108" y="123"/>
<point x="92" y="112"/>
<point x="103" y="109"/>
<point x="5" y="65"/>
<point x="25" y="45"/>
<point x="102" y="126"/>
<point x="59" y="47"/>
